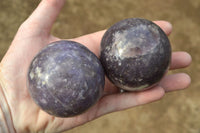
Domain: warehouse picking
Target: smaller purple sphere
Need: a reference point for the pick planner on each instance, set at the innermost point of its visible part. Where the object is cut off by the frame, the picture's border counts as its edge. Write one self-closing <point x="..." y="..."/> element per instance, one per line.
<point x="65" y="79"/>
<point x="135" y="54"/>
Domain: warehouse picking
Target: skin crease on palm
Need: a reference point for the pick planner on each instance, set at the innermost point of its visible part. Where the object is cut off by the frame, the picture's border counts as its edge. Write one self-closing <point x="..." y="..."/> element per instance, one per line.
<point x="32" y="36"/>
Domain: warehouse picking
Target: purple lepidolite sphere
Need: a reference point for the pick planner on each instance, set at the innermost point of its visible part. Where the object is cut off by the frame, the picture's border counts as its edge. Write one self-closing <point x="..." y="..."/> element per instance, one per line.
<point x="135" y="54"/>
<point x="65" y="79"/>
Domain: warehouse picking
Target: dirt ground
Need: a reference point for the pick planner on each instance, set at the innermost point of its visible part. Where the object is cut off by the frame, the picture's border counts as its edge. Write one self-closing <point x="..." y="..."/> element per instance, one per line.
<point x="177" y="112"/>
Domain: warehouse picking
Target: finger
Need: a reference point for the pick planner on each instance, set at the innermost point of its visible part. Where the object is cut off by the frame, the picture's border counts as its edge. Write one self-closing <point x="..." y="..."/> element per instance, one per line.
<point x="45" y="14"/>
<point x="177" y="81"/>
<point x="165" y="26"/>
<point x="121" y="101"/>
<point x="93" y="40"/>
<point x="180" y="60"/>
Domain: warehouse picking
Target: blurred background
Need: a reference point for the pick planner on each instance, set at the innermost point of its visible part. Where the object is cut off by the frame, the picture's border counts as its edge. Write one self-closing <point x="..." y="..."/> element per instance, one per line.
<point x="177" y="112"/>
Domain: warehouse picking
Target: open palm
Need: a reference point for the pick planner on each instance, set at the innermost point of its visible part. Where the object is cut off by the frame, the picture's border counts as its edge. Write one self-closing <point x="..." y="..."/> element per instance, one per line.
<point x="32" y="36"/>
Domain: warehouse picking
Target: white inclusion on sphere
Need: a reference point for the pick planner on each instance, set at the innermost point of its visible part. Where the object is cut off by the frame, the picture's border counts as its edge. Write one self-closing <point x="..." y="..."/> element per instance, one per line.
<point x="86" y="85"/>
<point x="39" y="75"/>
<point x="139" y="41"/>
<point x="38" y="72"/>
<point x="46" y="78"/>
<point x="120" y="51"/>
<point x="43" y="83"/>
<point x="31" y="75"/>
<point x="89" y="58"/>
<point x="65" y="80"/>
<point x="81" y="94"/>
<point x="43" y="101"/>
<point x="118" y="43"/>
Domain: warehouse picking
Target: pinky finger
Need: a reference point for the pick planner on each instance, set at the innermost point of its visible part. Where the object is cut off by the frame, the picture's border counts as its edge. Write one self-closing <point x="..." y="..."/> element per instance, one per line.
<point x="176" y="81"/>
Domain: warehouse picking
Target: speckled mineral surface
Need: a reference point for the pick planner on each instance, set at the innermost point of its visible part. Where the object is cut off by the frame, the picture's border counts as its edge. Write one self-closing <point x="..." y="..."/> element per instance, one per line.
<point x="65" y="79"/>
<point x="135" y="53"/>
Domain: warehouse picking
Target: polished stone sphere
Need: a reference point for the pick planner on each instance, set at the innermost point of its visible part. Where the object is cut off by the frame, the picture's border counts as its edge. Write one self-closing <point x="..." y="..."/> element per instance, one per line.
<point x="135" y="54"/>
<point x="65" y="79"/>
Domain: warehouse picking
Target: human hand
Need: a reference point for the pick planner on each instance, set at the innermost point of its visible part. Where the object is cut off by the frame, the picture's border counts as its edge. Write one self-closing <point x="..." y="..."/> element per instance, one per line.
<point x="32" y="36"/>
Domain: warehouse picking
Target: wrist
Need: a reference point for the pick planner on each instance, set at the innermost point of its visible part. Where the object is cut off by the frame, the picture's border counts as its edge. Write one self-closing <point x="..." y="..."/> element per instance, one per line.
<point x="6" y="123"/>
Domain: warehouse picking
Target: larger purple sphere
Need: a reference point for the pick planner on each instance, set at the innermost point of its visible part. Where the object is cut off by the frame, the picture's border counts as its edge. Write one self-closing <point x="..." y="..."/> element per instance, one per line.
<point x="65" y="79"/>
<point x="135" y="53"/>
